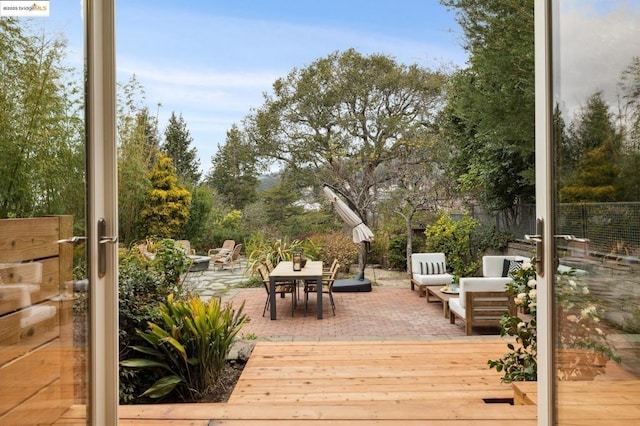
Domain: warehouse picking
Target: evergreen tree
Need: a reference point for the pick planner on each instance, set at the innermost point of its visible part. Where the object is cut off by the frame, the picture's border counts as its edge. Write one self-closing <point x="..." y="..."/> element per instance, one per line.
<point x="596" y="147"/>
<point x="166" y="208"/>
<point x="177" y="145"/>
<point x="596" y="178"/>
<point x="234" y="174"/>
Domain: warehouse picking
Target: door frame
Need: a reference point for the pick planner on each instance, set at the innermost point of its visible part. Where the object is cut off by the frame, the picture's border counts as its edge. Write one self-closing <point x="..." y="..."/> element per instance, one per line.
<point x="544" y="206"/>
<point x="102" y="203"/>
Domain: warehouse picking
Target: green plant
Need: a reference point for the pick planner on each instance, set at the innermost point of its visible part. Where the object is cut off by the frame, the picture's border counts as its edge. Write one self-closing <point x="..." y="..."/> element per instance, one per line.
<point x="582" y="344"/>
<point x="460" y="240"/>
<point x="188" y="346"/>
<point x="520" y="364"/>
<point x="171" y="262"/>
<point x="336" y="245"/>
<point x="581" y="339"/>
<point x="274" y="251"/>
<point x="143" y="285"/>
<point x="397" y="252"/>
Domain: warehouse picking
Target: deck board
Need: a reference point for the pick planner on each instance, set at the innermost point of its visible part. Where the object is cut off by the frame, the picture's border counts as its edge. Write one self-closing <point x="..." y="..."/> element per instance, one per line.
<point x="384" y="383"/>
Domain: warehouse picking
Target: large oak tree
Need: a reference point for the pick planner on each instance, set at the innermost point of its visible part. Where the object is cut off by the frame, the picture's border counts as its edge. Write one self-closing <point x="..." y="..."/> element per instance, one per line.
<point x="343" y="119"/>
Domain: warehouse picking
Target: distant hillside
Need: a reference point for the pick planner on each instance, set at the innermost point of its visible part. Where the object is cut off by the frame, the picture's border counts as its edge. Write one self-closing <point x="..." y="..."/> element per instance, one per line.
<point x="267" y="181"/>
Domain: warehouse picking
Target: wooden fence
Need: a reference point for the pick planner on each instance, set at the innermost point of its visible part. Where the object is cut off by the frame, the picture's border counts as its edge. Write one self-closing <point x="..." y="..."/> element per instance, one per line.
<point x="36" y="324"/>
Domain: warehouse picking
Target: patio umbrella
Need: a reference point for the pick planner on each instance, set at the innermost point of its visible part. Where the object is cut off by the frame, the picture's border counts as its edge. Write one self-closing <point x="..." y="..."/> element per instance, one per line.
<point x="361" y="233"/>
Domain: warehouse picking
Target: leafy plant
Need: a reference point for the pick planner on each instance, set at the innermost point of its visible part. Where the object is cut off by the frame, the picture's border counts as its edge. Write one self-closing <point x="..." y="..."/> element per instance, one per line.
<point x="187" y="346"/>
<point x="460" y="240"/>
<point x="143" y="285"/>
<point x="397" y="252"/>
<point x="274" y="251"/>
<point x="171" y="262"/>
<point x="336" y="245"/>
<point x="582" y="345"/>
<point x="520" y="364"/>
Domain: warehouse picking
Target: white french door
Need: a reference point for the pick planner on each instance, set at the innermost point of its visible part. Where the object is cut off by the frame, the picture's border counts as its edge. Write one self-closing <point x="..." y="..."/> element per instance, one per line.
<point x="102" y="218"/>
<point x="587" y="151"/>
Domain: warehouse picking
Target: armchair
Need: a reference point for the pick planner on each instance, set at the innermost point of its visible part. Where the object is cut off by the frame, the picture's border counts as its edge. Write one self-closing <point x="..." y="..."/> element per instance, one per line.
<point x="227" y="247"/>
<point x="428" y="269"/>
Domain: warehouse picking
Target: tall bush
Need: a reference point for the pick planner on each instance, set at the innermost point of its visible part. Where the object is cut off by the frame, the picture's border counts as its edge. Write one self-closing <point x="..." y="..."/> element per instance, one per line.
<point x="337" y="245"/>
<point x="461" y="242"/>
<point x="397" y="252"/>
<point x="143" y="285"/>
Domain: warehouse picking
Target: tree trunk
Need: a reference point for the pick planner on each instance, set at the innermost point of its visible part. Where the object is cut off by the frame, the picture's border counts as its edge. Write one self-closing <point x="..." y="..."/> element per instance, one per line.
<point x="408" y="220"/>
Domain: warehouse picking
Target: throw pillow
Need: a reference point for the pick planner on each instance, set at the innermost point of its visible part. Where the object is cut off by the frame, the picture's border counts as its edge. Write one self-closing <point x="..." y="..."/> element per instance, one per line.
<point x="431" y="268"/>
<point x="509" y="266"/>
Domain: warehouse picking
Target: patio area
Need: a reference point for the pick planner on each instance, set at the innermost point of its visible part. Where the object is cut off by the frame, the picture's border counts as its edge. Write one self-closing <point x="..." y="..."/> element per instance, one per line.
<point x="391" y="311"/>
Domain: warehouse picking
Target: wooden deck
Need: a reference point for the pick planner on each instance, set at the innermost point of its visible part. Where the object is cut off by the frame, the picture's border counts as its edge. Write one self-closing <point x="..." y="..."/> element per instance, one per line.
<point x="340" y="383"/>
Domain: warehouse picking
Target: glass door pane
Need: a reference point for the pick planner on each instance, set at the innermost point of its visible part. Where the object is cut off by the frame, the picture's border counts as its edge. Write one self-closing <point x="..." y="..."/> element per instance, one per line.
<point x="596" y="139"/>
<point x="44" y="285"/>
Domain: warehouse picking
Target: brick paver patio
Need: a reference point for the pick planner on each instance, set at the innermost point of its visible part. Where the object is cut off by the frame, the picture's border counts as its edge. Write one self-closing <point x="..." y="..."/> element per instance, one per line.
<point x="382" y="314"/>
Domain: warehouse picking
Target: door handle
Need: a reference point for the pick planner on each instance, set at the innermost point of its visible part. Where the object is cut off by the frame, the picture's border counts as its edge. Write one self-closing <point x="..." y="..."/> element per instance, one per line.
<point x="72" y="240"/>
<point x="538" y="260"/>
<point x="103" y="240"/>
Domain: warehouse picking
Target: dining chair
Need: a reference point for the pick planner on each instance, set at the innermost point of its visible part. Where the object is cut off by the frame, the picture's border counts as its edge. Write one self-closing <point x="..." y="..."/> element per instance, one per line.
<point x="282" y="287"/>
<point x="269" y="264"/>
<point x="327" y="286"/>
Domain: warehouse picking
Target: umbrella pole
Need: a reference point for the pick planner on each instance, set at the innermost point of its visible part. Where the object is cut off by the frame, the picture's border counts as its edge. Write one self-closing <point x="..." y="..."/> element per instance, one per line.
<point x="362" y="260"/>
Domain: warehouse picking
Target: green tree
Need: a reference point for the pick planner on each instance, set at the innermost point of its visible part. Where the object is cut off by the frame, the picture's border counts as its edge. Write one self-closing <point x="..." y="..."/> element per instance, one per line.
<point x="166" y="208"/>
<point x="594" y="126"/>
<point x="491" y="103"/>
<point x="595" y="180"/>
<point x="280" y="208"/>
<point x="41" y="130"/>
<point x="177" y="145"/>
<point x="597" y="146"/>
<point x="343" y="118"/>
<point x="137" y="152"/>
<point x="199" y="214"/>
<point x="234" y="171"/>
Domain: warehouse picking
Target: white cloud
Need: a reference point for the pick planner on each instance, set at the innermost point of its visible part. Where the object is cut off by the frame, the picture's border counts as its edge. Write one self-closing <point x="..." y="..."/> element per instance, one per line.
<point x="594" y="47"/>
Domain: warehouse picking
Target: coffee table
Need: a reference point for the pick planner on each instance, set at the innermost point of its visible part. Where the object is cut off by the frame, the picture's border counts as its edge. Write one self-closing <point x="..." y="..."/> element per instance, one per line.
<point x="435" y="294"/>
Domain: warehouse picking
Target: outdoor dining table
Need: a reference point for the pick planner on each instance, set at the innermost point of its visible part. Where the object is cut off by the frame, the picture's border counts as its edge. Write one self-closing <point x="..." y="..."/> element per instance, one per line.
<point x="284" y="272"/>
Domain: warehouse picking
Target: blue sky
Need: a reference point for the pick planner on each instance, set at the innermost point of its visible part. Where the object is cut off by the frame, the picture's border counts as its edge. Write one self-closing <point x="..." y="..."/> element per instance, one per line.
<point x="212" y="61"/>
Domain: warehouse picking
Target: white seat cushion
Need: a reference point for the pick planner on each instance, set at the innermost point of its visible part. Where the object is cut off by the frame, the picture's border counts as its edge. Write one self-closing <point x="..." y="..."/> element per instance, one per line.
<point x="434" y="279"/>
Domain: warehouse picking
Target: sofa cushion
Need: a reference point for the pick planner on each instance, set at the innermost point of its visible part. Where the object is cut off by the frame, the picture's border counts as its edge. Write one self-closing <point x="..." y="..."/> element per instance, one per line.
<point x="509" y="266"/>
<point x="433" y="279"/>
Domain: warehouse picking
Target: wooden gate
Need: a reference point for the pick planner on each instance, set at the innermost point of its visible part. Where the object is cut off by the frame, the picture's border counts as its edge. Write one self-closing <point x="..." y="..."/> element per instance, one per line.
<point x="36" y="324"/>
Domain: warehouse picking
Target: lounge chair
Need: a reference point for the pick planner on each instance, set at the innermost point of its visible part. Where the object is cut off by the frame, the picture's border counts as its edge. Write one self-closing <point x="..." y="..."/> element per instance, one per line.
<point x="228" y="258"/>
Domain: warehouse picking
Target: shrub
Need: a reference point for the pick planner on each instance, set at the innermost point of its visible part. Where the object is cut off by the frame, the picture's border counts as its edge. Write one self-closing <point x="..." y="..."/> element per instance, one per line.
<point x="143" y="285"/>
<point x="461" y="241"/>
<point x="187" y="346"/>
<point x="397" y="252"/>
<point x="582" y="343"/>
<point x="520" y="364"/>
<point x="274" y="250"/>
<point x="337" y="245"/>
